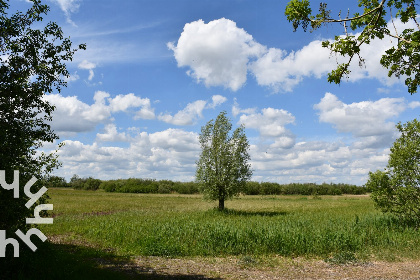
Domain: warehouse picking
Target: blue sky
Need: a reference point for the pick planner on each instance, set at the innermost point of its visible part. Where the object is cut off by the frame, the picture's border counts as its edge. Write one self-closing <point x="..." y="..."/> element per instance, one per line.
<point x="156" y="71"/>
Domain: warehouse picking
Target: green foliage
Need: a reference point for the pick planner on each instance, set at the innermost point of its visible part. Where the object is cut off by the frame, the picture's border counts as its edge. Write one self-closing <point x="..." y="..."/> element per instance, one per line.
<point x="342" y="257"/>
<point x="267" y="188"/>
<point x="397" y="189"/>
<point x="403" y="60"/>
<point x="32" y="64"/>
<point x="298" y="12"/>
<point x="55" y="182"/>
<point x="134" y="185"/>
<point x="84" y="183"/>
<point x="223" y="168"/>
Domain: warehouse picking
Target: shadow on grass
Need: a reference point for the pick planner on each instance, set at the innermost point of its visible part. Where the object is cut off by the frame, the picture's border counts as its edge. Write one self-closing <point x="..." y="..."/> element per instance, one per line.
<point x="64" y="261"/>
<point x="234" y="212"/>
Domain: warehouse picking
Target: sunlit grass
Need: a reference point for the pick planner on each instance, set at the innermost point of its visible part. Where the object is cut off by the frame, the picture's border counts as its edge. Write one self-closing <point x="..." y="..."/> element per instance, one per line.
<point x="185" y="225"/>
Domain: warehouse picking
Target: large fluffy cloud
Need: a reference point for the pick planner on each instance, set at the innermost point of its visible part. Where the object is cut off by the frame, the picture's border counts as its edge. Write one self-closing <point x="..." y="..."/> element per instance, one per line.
<point x="219" y="53"/>
<point x="282" y="71"/>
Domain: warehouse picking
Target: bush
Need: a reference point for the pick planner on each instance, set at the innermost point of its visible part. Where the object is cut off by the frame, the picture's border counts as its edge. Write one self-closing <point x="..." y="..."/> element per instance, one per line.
<point x="397" y="189"/>
<point x="136" y="185"/>
<point x="186" y="188"/>
<point x="252" y="188"/>
<point x="55" y="182"/>
<point x="267" y="188"/>
<point x="91" y="184"/>
<point x="84" y="183"/>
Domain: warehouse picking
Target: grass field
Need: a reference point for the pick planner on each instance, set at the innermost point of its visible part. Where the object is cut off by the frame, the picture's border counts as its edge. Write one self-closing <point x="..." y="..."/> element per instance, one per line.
<point x="333" y="228"/>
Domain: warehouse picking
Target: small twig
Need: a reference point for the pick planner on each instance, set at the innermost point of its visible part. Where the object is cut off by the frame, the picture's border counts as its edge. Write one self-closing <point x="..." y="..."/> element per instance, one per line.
<point x="392" y="19"/>
<point x="400" y="38"/>
<point x="354" y="18"/>
<point x="418" y="25"/>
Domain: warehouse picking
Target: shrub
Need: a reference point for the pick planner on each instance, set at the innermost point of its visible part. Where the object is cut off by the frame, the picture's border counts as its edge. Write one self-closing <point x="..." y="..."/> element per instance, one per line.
<point x="91" y="184"/>
<point x="397" y="189"/>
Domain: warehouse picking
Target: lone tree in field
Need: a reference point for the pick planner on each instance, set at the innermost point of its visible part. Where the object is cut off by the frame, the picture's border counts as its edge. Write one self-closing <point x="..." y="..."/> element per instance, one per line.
<point x="378" y="20"/>
<point x="397" y="189"/>
<point x="223" y="167"/>
<point x="32" y="64"/>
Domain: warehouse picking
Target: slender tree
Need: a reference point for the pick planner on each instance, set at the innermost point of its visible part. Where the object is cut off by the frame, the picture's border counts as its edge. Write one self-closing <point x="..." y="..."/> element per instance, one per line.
<point x="401" y="60"/>
<point x="223" y="168"/>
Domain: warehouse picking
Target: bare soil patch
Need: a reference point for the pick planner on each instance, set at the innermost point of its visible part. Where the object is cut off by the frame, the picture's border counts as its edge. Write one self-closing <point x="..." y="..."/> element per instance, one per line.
<point x="249" y="268"/>
<point x="233" y="268"/>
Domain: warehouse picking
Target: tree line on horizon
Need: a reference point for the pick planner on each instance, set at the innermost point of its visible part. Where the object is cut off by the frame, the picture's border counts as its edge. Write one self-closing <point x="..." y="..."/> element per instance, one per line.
<point x="140" y="185"/>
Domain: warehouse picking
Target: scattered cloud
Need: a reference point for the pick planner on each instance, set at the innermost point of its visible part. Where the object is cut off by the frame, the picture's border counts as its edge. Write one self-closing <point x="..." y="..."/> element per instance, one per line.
<point x="192" y="112"/>
<point x="72" y="78"/>
<point x="276" y="155"/>
<point x="187" y="116"/>
<point x="414" y="104"/>
<point x="88" y="66"/>
<point x="166" y="154"/>
<point x="270" y="122"/>
<point x="124" y="102"/>
<point x="68" y="7"/>
<point x="217" y="100"/>
<point x="362" y="119"/>
<point x="236" y="110"/>
<point x="112" y="135"/>
<point x="72" y="115"/>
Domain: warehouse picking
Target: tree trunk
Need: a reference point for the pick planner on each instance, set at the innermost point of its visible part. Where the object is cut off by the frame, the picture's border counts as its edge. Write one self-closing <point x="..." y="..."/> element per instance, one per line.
<point x="221" y="204"/>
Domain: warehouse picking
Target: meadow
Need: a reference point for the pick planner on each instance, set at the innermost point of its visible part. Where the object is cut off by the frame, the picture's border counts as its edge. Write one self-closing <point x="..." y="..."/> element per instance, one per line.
<point x="340" y="229"/>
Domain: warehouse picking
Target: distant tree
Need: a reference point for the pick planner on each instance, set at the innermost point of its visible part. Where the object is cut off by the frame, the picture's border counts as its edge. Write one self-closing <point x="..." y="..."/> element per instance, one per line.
<point x="55" y="182"/>
<point x="223" y="168"/>
<point x="32" y="64"/>
<point x="404" y="59"/>
<point x="397" y="189"/>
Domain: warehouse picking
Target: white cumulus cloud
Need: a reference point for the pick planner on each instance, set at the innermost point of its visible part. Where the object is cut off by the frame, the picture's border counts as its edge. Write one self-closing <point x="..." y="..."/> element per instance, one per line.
<point x="362" y="119"/>
<point x="217" y="100"/>
<point x="72" y="115"/>
<point x="217" y="52"/>
<point x="112" y="135"/>
<point x="165" y="154"/>
<point x="270" y="122"/>
<point x="193" y="111"/>
<point x="187" y="116"/>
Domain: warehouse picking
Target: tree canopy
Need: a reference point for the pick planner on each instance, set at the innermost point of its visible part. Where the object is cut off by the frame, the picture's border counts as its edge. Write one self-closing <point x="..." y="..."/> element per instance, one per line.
<point x="32" y="64"/>
<point x="223" y="168"/>
<point x="376" y="21"/>
<point x="397" y="189"/>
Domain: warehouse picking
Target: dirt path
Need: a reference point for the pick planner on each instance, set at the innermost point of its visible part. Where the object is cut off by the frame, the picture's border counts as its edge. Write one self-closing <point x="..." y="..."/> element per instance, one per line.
<point x="282" y="268"/>
<point x="248" y="268"/>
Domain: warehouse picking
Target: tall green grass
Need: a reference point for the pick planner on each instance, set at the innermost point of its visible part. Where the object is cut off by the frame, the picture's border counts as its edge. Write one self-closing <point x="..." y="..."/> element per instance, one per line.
<point x="175" y="225"/>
